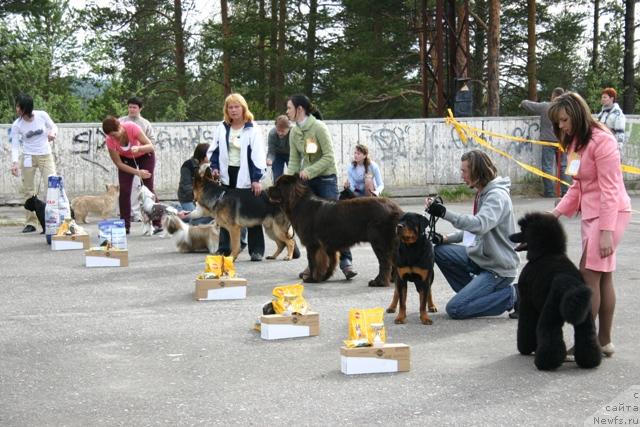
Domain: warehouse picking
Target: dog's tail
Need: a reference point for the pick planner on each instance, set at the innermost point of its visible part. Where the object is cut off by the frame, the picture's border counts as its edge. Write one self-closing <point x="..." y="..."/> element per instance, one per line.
<point x="575" y="299"/>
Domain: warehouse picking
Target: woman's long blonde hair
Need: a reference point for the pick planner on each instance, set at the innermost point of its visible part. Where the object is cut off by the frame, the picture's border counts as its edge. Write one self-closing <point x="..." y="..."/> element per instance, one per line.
<point x="238" y="99"/>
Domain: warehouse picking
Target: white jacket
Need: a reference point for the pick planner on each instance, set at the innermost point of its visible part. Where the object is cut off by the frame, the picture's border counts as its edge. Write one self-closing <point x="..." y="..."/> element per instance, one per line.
<point x="253" y="154"/>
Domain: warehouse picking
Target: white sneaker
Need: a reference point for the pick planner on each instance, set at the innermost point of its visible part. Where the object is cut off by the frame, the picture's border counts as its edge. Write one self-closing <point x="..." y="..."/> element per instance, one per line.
<point x="608" y="350"/>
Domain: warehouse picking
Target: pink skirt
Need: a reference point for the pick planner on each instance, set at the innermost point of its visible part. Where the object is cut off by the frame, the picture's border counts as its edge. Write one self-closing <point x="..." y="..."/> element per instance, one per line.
<point x="591" y="240"/>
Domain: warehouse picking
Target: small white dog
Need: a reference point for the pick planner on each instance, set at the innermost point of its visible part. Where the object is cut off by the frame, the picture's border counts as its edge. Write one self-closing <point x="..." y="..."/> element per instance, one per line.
<point x="192" y="238"/>
<point x="151" y="210"/>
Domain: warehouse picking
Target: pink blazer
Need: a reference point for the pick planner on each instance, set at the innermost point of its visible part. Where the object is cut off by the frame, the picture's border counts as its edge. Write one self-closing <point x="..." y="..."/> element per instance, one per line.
<point x="598" y="189"/>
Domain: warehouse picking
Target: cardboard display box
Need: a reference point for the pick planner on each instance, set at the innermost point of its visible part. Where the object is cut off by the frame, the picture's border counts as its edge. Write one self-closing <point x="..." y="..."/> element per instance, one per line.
<point x="220" y="289"/>
<point x="372" y="360"/>
<point x="110" y="258"/>
<point x="73" y="241"/>
<point x="277" y="326"/>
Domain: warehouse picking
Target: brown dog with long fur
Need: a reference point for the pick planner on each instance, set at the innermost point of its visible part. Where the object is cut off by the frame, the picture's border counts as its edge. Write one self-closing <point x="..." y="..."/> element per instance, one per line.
<point x="326" y="227"/>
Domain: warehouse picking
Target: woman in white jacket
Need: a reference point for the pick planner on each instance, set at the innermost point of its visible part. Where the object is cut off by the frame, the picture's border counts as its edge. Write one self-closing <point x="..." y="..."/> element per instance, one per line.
<point x="239" y="158"/>
<point x="35" y="129"/>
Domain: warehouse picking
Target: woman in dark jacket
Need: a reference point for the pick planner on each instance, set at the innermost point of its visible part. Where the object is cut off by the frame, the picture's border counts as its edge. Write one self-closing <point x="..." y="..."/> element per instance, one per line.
<point x="188" y="171"/>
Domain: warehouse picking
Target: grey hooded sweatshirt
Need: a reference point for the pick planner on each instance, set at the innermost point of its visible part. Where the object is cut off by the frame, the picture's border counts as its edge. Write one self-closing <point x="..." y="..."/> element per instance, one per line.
<point x="492" y="224"/>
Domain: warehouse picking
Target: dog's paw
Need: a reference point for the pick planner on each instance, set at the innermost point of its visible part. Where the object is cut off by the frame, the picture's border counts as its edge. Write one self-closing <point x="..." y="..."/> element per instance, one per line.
<point x="425" y="320"/>
<point x="391" y="310"/>
<point x="271" y="257"/>
<point x="433" y="309"/>
<point x="400" y="320"/>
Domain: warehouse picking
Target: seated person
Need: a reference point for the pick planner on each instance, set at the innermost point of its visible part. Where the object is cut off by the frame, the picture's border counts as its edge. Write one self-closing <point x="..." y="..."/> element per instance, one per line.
<point x="188" y="171"/>
<point x="363" y="175"/>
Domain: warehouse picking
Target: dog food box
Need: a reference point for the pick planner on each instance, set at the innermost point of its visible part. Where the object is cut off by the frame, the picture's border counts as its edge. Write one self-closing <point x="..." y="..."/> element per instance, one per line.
<point x="278" y="326"/>
<point x="374" y="360"/>
<point x="70" y="242"/>
<point x="106" y="258"/>
<point x="220" y="289"/>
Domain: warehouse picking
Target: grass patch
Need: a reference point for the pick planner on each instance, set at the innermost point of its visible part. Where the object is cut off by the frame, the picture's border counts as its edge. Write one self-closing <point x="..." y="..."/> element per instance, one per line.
<point x="458" y="193"/>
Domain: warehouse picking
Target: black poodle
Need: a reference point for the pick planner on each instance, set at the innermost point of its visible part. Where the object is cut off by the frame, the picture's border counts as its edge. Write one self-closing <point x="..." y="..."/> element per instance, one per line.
<point x="551" y="292"/>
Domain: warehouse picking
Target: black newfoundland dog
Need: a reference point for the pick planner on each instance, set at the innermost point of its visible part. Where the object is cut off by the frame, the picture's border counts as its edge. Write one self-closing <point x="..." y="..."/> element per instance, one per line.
<point x="552" y="292"/>
<point x="326" y="227"/>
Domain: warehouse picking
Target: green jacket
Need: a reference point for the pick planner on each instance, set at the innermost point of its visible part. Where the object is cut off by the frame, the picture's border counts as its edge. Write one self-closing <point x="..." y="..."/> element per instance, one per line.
<point x="320" y="163"/>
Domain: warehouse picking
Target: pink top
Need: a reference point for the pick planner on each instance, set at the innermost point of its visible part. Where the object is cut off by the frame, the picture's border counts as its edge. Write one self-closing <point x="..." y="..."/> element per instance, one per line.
<point x="133" y="131"/>
<point x="598" y="189"/>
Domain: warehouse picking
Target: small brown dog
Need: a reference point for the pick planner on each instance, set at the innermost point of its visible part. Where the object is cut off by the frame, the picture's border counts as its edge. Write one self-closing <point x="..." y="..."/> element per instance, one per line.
<point x="102" y="205"/>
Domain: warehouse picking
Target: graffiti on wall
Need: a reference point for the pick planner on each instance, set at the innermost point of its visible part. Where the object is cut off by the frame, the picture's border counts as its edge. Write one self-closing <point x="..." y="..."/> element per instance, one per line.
<point x="87" y="144"/>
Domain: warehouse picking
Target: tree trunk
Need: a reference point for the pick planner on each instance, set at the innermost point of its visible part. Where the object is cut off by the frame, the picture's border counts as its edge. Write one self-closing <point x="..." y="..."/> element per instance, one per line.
<point x="273" y="42"/>
<point x="178" y="30"/>
<point x="422" y="38"/>
<point x="493" y="56"/>
<point x="262" y="14"/>
<point x="531" y="50"/>
<point x="279" y="92"/>
<point x="226" y="56"/>
<point x="629" y="97"/>
<point x="310" y="66"/>
<point x="478" y="59"/>
<point x="596" y="36"/>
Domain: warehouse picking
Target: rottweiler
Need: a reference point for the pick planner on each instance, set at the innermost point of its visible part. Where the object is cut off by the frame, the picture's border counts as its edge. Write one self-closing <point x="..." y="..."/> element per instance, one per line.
<point x="413" y="262"/>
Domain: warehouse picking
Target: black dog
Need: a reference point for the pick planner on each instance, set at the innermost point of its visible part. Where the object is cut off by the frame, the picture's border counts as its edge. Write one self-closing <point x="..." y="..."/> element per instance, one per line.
<point x="326" y="226"/>
<point x="413" y="262"/>
<point x="36" y="205"/>
<point x="552" y="292"/>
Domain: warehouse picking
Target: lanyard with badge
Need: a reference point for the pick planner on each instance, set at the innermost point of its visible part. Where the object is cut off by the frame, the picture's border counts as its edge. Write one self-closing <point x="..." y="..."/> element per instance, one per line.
<point x="573" y="164"/>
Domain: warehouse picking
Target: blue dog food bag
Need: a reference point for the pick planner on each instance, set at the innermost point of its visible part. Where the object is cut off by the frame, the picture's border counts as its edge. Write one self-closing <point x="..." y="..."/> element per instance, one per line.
<point x="112" y="231"/>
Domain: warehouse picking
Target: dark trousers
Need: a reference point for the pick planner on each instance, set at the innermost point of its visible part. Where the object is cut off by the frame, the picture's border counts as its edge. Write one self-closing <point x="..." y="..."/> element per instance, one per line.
<point x="255" y="233"/>
<point x="125" y="179"/>
<point x="327" y="187"/>
<point x="277" y="167"/>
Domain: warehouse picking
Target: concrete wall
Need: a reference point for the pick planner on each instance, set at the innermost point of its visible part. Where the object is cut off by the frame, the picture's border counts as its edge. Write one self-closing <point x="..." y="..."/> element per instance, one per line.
<point x="413" y="154"/>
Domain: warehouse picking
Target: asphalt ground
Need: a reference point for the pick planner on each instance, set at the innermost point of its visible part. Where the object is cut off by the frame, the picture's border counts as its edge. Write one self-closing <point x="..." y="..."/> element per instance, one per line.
<point x="130" y="346"/>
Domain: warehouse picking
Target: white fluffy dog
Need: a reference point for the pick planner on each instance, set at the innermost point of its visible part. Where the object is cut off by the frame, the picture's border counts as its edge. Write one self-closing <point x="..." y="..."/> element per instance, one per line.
<point x="151" y="210"/>
<point x="192" y="238"/>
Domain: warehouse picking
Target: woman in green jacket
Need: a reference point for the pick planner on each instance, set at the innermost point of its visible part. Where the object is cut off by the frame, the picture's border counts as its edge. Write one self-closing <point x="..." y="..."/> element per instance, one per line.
<point x="312" y="157"/>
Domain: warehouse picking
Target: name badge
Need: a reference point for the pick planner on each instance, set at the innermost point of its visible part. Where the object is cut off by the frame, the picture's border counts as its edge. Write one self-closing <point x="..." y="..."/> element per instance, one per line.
<point x="573" y="164"/>
<point x="27" y="162"/>
<point x="311" y="146"/>
<point x="468" y="239"/>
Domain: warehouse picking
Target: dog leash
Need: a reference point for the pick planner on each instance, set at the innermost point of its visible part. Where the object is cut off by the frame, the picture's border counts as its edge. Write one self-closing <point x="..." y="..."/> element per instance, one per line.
<point x="432" y="218"/>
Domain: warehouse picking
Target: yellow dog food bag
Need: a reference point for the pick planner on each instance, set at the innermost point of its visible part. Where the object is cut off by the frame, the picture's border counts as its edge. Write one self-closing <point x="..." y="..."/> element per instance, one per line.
<point x="360" y="332"/>
<point x="294" y="292"/>
<point x="219" y="266"/>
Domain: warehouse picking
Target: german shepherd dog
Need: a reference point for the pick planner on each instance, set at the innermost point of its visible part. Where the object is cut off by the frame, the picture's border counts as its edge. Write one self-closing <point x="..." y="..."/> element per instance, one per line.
<point x="235" y="208"/>
<point x="413" y="262"/>
<point x="326" y="227"/>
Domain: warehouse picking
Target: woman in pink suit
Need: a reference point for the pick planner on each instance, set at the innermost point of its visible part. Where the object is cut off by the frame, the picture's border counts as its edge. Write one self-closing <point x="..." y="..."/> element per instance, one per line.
<point x="598" y="193"/>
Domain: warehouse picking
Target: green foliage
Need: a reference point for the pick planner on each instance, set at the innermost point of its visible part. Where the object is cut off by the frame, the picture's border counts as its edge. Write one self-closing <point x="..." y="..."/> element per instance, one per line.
<point x="81" y="65"/>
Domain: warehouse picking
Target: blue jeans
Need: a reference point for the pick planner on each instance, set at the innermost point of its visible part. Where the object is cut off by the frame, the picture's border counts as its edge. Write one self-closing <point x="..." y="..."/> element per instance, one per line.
<point x="548" y="165"/>
<point x="326" y="187"/>
<point x="478" y="292"/>
<point x="190" y="206"/>
<point x="277" y="167"/>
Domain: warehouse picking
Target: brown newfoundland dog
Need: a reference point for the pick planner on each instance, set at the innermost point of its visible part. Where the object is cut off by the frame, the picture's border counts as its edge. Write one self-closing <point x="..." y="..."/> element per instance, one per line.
<point x="326" y="227"/>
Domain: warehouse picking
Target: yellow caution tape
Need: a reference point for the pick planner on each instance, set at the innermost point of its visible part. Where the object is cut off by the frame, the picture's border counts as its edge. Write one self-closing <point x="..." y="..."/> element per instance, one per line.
<point x="465" y="131"/>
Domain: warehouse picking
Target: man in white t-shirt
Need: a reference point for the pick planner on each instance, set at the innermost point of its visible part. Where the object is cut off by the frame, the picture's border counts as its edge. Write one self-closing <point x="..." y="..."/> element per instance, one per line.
<point x="134" y="106"/>
<point x="36" y="131"/>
